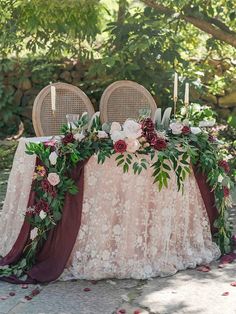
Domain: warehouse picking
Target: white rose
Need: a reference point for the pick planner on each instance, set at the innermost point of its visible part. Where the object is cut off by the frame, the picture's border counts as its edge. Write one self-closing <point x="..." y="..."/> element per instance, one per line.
<point x="195" y="130"/>
<point x="79" y="137"/>
<point x="42" y="214"/>
<point x="53" y="158"/>
<point x="196" y="107"/>
<point x="132" y="129"/>
<point x="115" y="126"/>
<point x="220" y="178"/>
<point x="33" y="233"/>
<point x="211" y="122"/>
<point x="117" y="135"/>
<point x="53" y="178"/>
<point x="176" y="128"/>
<point x="207" y="123"/>
<point x="132" y="145"/>
<point x="102" y="134"/>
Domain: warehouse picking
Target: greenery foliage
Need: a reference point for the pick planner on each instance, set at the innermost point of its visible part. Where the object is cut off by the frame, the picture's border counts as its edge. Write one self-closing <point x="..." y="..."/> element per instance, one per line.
<point x="170" y="154"/>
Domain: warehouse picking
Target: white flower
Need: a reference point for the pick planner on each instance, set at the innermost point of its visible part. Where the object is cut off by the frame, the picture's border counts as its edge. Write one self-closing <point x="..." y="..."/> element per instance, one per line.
<point x="132" y="145"/>
<point x="102" y="134"/>
<point x="42" y="214"/>
<point x="195" y="130"/>
<point x="132" y="129"/>
<point x="207" y="123"/>
<point x="196" y="107"/>
<point x="117" y="135"/>
<point x="53" y="178"/>
<point x="33" y="233"/>
<point x="186" y="122"/>
<point x="220" y="178"/>
<point x="53" y="158"/>
<point x="176" y="128"/>
<point x="115" y="126"/>
<point x="79" y="137"/>
<point x="228" y="157"/>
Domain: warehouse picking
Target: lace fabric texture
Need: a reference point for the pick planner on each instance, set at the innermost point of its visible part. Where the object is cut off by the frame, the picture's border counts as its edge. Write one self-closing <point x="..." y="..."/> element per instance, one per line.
<point x="128" y="229"/>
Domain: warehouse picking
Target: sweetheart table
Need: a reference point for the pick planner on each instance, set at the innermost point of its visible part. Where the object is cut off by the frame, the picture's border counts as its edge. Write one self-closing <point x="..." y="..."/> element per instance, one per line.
<point x="128" y="228"/>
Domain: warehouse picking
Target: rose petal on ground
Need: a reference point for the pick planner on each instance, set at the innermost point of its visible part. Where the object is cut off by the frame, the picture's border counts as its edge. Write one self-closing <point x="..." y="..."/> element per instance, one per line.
<point x="87" y="289"/>
<point x="137" y="312"/>
<point x="35" y="292"/>
<point x="12" y="294"/>
<point x="121" y="311"/>
<point x="204" y="268"/>
<point x="233" y="284"/>
<point x="94" y="282"/>
<point x="28" y="298"/>
<point x="24" y="286"/>
<point x="4" y="297"/>
<point x="225" y="293"/>
<point x="228" y="258"/>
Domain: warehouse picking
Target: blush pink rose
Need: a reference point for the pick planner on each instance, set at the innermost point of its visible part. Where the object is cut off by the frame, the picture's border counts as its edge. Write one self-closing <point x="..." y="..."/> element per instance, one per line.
<point x="53" y="178"/>
<point x="132" y="145"/>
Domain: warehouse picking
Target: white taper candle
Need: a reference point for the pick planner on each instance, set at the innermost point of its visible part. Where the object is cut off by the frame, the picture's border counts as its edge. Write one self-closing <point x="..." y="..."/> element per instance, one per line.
<point x="186" y="95"/>
<point x="176" y="87"/>
<point x="53" y="98"/>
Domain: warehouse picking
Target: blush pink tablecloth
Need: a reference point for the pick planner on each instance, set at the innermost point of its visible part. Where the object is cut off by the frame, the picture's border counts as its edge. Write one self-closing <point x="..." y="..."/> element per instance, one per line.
<point x="128" y="228"/>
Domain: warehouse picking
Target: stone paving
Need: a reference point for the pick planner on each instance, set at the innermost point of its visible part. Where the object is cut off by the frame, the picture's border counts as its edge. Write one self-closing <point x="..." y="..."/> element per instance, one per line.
<point x="190" y="291"/>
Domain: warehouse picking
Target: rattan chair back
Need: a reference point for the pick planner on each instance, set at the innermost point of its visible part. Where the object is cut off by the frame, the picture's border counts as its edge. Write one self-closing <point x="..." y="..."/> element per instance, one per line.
<point x="124" y="99"/>
<point x="69" y="99"/>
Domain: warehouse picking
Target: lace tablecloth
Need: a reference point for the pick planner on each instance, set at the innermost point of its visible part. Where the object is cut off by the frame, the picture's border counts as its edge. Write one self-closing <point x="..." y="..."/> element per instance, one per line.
<point x="128" y="229"/>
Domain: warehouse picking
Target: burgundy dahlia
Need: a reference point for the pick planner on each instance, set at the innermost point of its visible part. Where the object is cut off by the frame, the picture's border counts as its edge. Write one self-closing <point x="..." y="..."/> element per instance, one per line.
<point x="46" y="186"/>
<point x="147" y="125"/>
<point x="160" y="144"/>
<point x="226" y="191"/>
<point x="68" y="138"/>
<point x="186" y="130"/>
<point x="151" y="137"/>
<point x="29" y="213"/>
<point x="120" y="146"/>
<point x="224" y="164"/>
<point x="41" y="205"/>
<point x="53" y="192"/>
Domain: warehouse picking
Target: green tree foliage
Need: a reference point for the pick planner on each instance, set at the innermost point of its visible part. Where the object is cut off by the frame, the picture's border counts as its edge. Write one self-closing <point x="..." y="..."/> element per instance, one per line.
<point x="145" y="41"/>
<point x="54" y="27"/>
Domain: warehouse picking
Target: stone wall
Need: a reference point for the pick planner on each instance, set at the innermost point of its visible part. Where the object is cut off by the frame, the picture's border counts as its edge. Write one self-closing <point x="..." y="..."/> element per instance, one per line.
<point x="22" y="81"/>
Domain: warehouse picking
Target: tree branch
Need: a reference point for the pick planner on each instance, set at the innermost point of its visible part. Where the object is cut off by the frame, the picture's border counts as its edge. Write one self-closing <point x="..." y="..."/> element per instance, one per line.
<point x="202" y="24"/>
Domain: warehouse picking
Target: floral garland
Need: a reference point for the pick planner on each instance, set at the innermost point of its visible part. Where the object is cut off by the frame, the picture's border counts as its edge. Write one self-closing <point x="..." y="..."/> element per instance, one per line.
<point x="172" y="150"/>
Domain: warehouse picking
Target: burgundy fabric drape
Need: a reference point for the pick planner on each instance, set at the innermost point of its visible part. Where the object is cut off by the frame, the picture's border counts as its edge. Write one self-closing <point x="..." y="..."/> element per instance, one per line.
<point x="207" y="196"/>
<point x="52" y="258"/>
